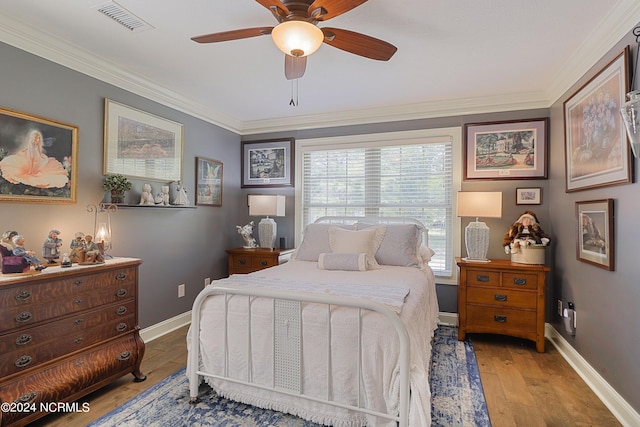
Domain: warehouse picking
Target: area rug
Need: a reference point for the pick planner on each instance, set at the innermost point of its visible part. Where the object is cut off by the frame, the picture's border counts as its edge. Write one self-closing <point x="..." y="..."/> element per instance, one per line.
<point x="457" y="398"/>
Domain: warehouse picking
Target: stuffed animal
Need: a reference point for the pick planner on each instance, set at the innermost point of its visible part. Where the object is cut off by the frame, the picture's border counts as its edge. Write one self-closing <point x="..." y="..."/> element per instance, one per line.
<point x="147" y="195"/>
<point x="524" y="232"/>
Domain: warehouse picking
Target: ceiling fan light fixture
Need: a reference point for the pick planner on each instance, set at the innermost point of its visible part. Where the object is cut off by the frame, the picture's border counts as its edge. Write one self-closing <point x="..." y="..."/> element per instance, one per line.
<point x="297" y="38"/>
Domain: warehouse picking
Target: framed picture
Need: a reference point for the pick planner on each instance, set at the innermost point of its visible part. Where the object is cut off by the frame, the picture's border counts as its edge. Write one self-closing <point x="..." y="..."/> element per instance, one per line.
<point x="141" y="145"/>
<point x="529" y="196"/>
<point x="38" y="159"/>
<point x="267" y="163"/>
<point x="596" y="150"/>
<point x="208" y="182"/>
<point x="506" y="150"/>
<point x="594" y="233"/>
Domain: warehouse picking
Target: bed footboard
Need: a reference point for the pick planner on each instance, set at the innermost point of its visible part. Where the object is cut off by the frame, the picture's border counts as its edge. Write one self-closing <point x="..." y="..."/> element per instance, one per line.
<point x="287" y="346"/>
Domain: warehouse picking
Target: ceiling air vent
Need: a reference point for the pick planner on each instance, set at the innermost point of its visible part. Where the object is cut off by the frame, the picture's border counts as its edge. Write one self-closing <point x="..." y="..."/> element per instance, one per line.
<point x="122" y="16"/>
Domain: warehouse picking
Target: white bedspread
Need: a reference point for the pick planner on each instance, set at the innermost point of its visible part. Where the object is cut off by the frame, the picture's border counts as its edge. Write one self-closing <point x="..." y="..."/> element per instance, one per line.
<point x="379" y="386"/>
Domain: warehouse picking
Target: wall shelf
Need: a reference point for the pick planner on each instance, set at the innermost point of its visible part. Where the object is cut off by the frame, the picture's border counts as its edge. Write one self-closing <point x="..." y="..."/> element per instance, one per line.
<point x="159" y="207"/>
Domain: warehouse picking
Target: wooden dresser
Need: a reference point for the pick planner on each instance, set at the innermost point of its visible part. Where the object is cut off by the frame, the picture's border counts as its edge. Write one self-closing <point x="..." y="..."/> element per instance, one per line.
<point x="64" y="333"/>
<point x="502" y="297"/>
<point x="248" y="260"/>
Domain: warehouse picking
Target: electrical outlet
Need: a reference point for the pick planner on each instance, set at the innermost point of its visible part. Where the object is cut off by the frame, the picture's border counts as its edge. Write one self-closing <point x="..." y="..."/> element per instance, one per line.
<point x="560" y="307"/>
<point x="207" y="281"/>
<point x="181" y="290"/>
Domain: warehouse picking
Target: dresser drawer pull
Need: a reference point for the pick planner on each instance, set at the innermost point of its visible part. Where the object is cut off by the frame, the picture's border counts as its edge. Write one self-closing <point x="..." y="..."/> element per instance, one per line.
<point x="500" y="297"/>
<point x="27" y="397"/>
<point x="124" y="355"/>
<point x="121" y="293"/>
<point x="78" y="282"/>
<point x="263" y="263"/>
<point x="121" y="276"/>
<point x="121" y="327"/>
<point x="79" y="363"/>
<point x="23" y="339"/>
<point x="78" y="321"/>
<point x="25" y="316"/>
<point x="23" y="295"/>
<point x="79" y="301"/>
<point x="23" y="361"/>
<point x="242" y="261"/>
<point x="121" y="310"/>
<point x="519" y="281"/>
<point x="500" y="319"/>
<point x="482" y="278"/>
<point x="78" y="340"/>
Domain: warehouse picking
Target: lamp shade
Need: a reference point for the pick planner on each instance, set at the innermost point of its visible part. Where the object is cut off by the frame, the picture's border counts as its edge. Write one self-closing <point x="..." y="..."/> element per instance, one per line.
<point x="266" y="205"/>
<point x="297" y="38"/>
<point x="477" y="233"/>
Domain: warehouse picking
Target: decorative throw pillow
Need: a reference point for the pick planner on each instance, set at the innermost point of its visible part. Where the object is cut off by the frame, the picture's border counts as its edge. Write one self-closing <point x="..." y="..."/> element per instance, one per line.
<point x="352" y="241"/>
<point x="342" y="261"/>
<point x="315" y="241"/>
<point x="400" y="245"/>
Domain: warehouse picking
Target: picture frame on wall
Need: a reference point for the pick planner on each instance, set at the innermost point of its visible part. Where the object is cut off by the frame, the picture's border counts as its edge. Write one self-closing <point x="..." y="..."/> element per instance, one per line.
<point x="38" y="159"/>
<point x="516" y="149"/>
<point x="595" y="233"/>
<point x="267" y="163"/>
<point x="529" y="196"/>
<point x="596" y="150"/>
<point x="208" y="182"/>
<point x="141" y="145"/>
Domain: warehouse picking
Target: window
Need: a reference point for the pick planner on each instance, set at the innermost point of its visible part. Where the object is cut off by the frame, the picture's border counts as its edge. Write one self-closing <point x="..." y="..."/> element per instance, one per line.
<point x="395" y="174"/>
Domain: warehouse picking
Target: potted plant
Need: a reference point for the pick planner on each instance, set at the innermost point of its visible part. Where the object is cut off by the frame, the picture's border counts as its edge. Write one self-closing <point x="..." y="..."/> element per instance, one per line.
<point x="116" y="185"/>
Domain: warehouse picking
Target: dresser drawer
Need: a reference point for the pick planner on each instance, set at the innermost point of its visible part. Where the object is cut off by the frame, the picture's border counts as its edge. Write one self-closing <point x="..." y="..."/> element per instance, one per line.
<point x="30" y="314"/>
<point x="500" y="320"/>
<point x="520" y="281"/>
<point x="264" y="262"/>
<point x="483" y="278"/>
<point x="65" y="287"/>
<point x="501" y="297"/>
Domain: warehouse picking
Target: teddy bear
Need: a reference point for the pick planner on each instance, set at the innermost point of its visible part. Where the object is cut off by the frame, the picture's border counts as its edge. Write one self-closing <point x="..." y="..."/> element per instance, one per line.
<point x="524" y="232"/>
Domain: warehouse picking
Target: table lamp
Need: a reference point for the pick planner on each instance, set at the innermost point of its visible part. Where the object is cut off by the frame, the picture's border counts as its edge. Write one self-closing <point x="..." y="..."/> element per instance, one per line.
<point x="476" y="234"/>
<point x="269" y="205"/>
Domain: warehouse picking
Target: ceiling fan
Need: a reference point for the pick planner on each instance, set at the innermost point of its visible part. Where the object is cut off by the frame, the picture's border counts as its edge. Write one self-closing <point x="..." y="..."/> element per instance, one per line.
<point x="297" y="33"/>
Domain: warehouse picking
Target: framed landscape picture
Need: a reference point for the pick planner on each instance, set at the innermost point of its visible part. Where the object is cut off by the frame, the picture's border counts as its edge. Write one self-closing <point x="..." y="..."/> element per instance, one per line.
<point x="208" y="182"/>
<point x="596" y="150"/>
<point x="529" y="196"/>
<point x="595" y="233"/>
<point x="267" y="163"/>
<point x="506" y="150"/>
<point x="38" y="159"/>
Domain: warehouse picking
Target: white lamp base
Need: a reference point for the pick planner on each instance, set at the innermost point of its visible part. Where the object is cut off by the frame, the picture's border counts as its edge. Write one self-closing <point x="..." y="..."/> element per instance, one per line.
<point x="267" y="231"/>
<point x="476" y="239"/>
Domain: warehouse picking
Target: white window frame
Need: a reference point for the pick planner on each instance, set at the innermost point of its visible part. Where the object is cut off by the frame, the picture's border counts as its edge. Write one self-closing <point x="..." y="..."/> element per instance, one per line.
<point x="454" y="134"/>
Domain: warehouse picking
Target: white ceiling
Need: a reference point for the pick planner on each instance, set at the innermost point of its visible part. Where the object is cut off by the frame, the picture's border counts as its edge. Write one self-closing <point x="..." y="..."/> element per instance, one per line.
<point x="454" y="57"/>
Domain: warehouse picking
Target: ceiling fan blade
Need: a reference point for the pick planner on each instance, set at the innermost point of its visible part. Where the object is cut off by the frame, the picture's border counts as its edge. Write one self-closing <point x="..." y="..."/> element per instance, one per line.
<point x="359" y="44"/>
<point x="294" y="66"/>
<point x="321" y="10"/>
<point x="277" y="8"/>
<point x="233" y="35"/>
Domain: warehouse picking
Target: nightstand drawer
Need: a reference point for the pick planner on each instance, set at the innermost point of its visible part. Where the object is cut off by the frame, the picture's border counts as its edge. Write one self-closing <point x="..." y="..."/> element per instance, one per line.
<point x="502" y="298"/>
<point x="493" y="319"/>
<point x="483" y="278"/>
<point x="264" y="262"/>
<point x="520" y="281"/>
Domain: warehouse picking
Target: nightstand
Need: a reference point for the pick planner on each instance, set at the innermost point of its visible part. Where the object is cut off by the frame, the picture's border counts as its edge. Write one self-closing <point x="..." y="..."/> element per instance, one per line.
<point x="502" y="297"/>
<point x="248" y="260"/>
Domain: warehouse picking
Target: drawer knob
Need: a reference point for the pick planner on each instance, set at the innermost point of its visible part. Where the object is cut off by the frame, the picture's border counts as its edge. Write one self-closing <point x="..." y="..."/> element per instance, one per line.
<point x="121" y="292"/>
<point x="25" y="316"/>
<point x="242" y="261"/>
<point x="500" y="297"/>
<point x="78" y="321"/>
<point x="121" y="310"/>
<point x="500" y="319"/>
<point x="482" y="278"/>
<point x="124" y="355"/>
<point x="121" y="276"/>
<point x="520" y="281"/>
<point x="263" y="263"/>
<point x="22" y="361"/>
<point x="79" y="301"/>
<point x="27" y="397"/>
<point x="78" y="340"/>
<point x="23" y="295"/>
<point x="23" y="339"/>
<point x="121" y="327"/>
<point x="78" y="282"/>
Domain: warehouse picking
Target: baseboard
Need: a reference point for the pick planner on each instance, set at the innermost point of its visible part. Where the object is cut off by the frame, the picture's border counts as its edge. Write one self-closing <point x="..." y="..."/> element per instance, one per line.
<point x="159" y="329"/>
<point x="611" y="399"/>
<point x="450" y="319"/>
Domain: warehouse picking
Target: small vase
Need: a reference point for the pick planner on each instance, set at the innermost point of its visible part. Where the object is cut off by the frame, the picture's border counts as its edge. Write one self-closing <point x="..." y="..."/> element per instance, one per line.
<point x="117" y="197"/>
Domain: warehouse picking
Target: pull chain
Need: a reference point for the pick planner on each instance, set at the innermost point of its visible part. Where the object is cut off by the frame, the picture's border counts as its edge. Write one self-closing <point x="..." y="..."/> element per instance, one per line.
<point x="294" y="91"/>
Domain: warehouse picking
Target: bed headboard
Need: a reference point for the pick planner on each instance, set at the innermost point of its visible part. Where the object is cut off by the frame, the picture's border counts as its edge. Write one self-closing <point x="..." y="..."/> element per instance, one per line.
<point x="377" y="220"/>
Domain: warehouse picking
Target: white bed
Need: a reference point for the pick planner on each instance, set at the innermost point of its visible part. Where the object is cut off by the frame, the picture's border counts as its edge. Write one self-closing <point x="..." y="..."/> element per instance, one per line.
<point x="280" y="354"/>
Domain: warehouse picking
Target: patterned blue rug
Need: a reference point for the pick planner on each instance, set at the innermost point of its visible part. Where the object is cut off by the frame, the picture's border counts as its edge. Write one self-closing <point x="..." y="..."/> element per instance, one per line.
<point x="457" y="398"/>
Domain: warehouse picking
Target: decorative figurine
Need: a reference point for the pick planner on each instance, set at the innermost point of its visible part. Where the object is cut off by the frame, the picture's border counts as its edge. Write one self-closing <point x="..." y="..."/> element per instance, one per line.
<point x="66" y="261"/>
<point x="93" y="254"/>
<point x="163" y="197"/>
<point x="78" y="247"/>
<point x="246" y="232"/>
<point x="524" y="232"/>
<point x="147" y="195"/>
<point x="6" y="242"/>
<point x="51" y="247"/>
<point x="182" y="198"/>
<point x="28" y="255"/>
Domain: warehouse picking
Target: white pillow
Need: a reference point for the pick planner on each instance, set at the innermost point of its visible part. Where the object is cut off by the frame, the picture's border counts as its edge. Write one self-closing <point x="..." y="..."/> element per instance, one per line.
<point x="315" y="241"/>
<point x="357" y="241"/>
<point x="400" y="244"/>
<point x="341" y="261"/>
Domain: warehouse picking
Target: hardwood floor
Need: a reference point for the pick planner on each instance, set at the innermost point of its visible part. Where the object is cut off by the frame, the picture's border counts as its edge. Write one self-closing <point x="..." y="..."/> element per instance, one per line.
<point x="523" y="387"/>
